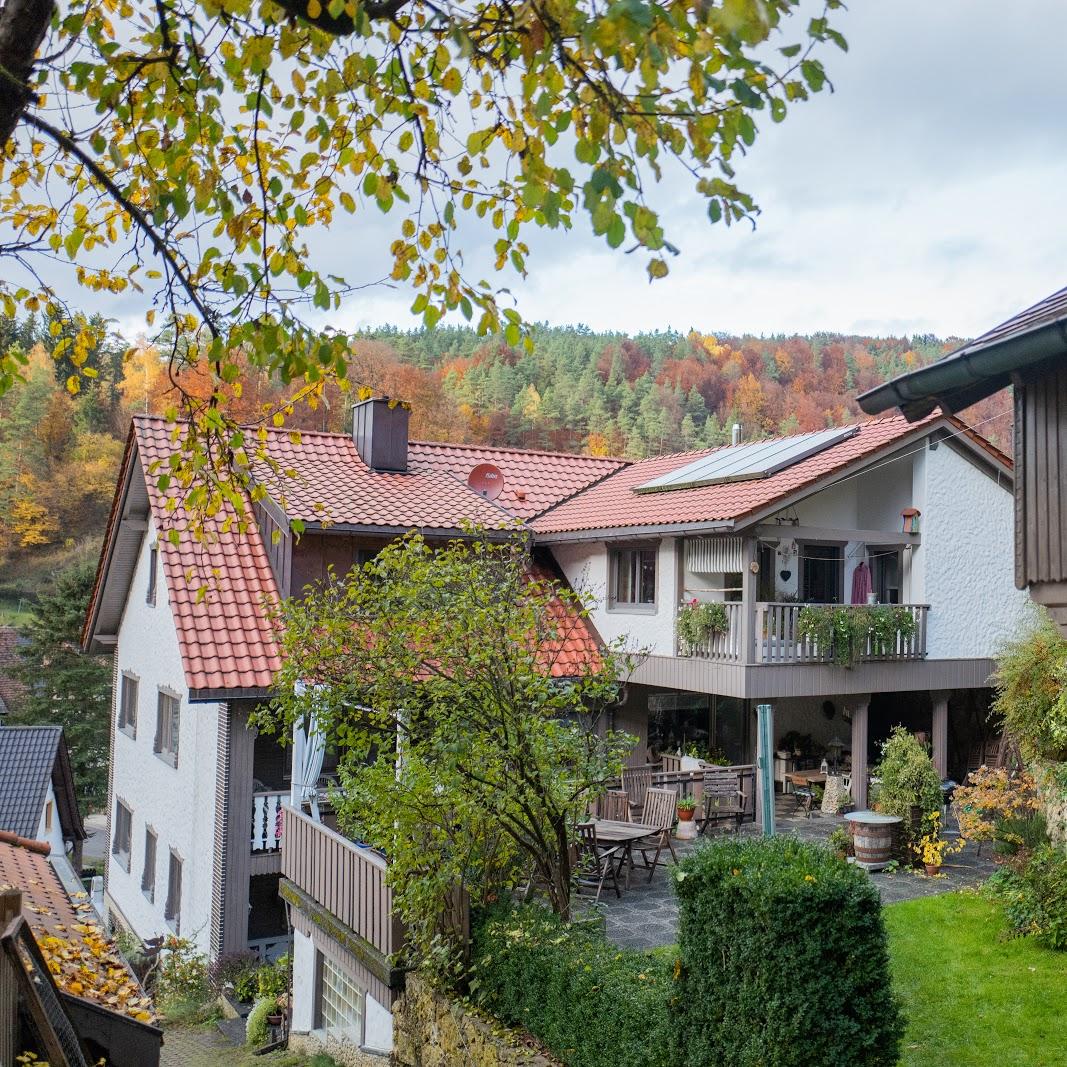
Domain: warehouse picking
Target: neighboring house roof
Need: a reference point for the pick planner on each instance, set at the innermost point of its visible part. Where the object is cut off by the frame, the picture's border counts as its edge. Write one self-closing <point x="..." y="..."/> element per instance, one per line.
<point x="533" y="481"/>
<point x="578" y="644"/>
<point x="31" y="758"/>
<point x="980" y="368"/>
<point x="84" y="962"/>
<point x="11" y="690"/>
<point x="614" y="505"/>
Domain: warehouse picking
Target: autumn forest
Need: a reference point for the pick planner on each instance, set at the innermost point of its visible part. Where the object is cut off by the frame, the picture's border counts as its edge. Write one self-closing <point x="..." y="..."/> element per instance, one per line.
<point x="599" y="393"/>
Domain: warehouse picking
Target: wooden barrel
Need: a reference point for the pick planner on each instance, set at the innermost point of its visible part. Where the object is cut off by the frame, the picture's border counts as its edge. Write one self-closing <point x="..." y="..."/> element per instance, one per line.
<point x="872" y="838"/>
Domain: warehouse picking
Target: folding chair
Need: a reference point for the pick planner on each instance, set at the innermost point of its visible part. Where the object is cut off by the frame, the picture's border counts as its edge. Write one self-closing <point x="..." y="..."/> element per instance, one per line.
<point x="596" y="865"/>
<point x="660" y="811"/>
<point x="724" y="800"/>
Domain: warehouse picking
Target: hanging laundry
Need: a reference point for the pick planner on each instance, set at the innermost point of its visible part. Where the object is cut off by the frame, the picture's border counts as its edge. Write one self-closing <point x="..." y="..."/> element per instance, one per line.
<point x="861" y="583"/>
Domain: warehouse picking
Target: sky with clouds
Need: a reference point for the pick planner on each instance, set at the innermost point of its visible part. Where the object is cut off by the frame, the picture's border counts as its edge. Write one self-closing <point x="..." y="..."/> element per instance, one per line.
<point x="925" y="194"/>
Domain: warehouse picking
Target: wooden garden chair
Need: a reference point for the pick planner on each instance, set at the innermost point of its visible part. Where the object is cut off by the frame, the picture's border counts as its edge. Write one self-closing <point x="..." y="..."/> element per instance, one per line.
<point x="615" y="805"/>
<point x="660" y="811"/>
<point x="596" y="865"/>
<point x="636" y="781"/>
<point x="724" y="799"/>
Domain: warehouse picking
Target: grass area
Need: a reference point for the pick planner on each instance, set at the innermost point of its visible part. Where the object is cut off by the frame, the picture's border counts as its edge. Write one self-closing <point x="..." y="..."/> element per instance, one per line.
<point x="973" y="999"/>
<point x="15" y="611"/>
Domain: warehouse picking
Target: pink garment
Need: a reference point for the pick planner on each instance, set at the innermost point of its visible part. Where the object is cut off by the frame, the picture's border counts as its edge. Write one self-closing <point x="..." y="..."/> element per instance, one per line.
<point x="861" y="583"/>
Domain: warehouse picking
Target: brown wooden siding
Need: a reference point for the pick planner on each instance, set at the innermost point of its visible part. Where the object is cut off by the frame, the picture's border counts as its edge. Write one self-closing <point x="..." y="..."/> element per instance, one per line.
<point x="315" y="553"/>
<point x="278" y="542"/>
<point x="1041" y="478"/>
<point x="237" y="853"/>
<point x="347" y="881"/>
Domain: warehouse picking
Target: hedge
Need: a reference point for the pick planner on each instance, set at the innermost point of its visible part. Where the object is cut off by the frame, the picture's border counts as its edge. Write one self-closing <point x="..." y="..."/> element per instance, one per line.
<point x="587" y="1001"/>
<point x="783" y="960"/>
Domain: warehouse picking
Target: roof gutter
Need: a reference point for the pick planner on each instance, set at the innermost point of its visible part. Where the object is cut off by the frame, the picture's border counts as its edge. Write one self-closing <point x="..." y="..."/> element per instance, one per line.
<point x="976" y="371"/>
<point x="631" y="533"/>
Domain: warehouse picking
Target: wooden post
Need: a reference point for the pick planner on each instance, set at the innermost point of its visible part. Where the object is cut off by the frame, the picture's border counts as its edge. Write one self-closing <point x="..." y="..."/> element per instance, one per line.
<point x="858" y="706"/>
<point x="939" y="731"/>
<point x="749" y="587"/>
<point x="10" y="909"/>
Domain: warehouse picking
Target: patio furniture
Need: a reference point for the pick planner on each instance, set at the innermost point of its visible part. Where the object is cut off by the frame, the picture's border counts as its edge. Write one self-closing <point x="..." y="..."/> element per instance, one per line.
<point x="658" y="812"/>
<point x="724" y="800"/>
<point x="615" y="805"/>
<point x="624" y="833"/>
<point x="636" y="781"/>
<point x="597" y="864"/>
<point x="804" y="783"/>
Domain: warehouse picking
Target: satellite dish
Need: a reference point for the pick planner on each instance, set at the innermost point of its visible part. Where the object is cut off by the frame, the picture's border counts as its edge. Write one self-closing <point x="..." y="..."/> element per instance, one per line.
<point x="487" y="480"/>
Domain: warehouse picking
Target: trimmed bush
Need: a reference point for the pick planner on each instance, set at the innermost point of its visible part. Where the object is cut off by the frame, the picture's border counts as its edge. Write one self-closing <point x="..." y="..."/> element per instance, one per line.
<point x="783" y="960"/>
<point x="257" y="1031"/>
<point x="589" y="1002"/>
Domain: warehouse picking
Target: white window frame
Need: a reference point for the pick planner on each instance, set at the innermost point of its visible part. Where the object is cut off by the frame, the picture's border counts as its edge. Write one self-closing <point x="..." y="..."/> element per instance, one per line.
<point x="128" y="723"/>
<point x="165" y="745"/>
<point x="122" y="855"/>
<point x="172" y="908"/>
<point x="148" y="872"/>
<point x="153" y="575"/>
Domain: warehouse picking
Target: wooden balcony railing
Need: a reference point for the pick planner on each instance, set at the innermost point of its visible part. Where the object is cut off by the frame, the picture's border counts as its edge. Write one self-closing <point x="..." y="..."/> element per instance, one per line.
<point x="777" y="639"/>
<point x="267" y="821"/>
<point x="345" y="879"/>
<point x="722" y="648"/>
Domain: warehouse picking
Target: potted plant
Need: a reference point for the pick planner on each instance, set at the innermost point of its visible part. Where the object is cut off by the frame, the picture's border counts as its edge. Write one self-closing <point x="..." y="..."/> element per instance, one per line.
<point x="838" y="842"/>
<point x="686" y="807"/>
<point x="909" y="783"/>
<point x="932" y="848"/>
<point x="697" y="622"/>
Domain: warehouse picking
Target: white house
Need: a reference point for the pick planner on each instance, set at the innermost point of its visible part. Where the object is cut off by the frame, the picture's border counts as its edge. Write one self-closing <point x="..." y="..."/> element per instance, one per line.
<point x="762" y="530"/>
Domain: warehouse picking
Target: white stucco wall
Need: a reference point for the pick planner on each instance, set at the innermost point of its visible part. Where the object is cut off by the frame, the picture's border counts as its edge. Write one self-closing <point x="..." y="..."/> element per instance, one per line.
<point x="967" y="559"/>
<point x="54" y="836"/>
<point x="177" y="802"/>
<point x="585" y="565"/>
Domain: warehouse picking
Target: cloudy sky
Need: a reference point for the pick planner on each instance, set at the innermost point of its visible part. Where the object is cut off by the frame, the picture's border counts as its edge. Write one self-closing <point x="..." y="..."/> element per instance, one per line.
<point x="928" y="193"/>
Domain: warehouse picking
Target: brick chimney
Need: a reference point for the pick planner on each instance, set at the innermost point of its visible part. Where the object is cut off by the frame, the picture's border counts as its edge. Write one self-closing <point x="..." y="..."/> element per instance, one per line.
<point x="381" y="434"/>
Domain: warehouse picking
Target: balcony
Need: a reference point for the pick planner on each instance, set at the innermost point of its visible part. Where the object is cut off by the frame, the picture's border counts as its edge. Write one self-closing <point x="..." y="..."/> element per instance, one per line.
<point x="267" y="821"/>
<point x="343" y="879"/>
<point x="776" y="638"/>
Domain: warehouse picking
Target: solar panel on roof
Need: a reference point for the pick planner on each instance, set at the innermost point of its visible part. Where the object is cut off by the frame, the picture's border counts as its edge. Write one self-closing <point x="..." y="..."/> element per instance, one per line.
<point x="742" y="463"/>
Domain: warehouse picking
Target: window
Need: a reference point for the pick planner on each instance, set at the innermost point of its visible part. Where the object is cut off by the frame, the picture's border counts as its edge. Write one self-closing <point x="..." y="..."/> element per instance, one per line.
<point x="128" y="705"/>
<point x="122" y="835"/>
<point x="168" y="709"/>
<point x="173" y="909"/>
<point x="766" y="586"/>
<point x="633" y="578"/>
<point x="48" y="816"/>
<point x="822" y="573"/>
<point x="886" y="571"/>
<point x="340" y="1001"/>
<point x="148" y="877"/>
<point x="153" y="569"/>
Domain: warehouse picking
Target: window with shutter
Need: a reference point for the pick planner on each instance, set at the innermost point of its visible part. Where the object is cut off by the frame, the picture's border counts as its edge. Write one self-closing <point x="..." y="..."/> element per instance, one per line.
<point x="168" y="709"/>
<point x="128" y="705"/>
<point x="173" y="910"/>
<point x="148" y="877"/>
<point x="123" y="835"/>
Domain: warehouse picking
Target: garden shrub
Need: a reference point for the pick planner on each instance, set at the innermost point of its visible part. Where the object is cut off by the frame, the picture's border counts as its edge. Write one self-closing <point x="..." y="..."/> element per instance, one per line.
<point x="909" y="779"/>
<point x="783" y="960"/>
<point x="586" y="1000"/>
<point x="182" y="979"/>
<point x="1035" y="897"/>
<point x="272" y="979"/>
<point x="257" y="1032"/>
<point x="238" y="971"/>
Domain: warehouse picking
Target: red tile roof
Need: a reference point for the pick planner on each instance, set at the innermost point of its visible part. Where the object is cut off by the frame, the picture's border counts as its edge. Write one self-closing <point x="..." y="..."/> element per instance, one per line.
<point x="82" y="960"/>
<point x="613" y="503"/>
<point x="225" y="638"/>
<point x="576" y="647"/>
<point x="533" y="481"/>
<point x="330" y="484"/>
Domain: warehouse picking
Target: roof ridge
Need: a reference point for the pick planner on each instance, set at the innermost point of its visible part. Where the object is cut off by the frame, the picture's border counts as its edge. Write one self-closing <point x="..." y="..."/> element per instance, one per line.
<point x="520" y="451"/>
<point x="31" y="844"/>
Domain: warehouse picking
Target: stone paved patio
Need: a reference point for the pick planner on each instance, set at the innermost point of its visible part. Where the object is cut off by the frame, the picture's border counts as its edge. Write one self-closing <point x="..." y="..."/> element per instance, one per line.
<point x="647" y="916"/>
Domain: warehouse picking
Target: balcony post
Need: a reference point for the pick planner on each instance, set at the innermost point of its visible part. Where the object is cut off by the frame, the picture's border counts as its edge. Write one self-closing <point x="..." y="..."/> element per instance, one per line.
<point x="939" y="731"/>
<point x="749" y="587"/>
<point x="858" y="706"/>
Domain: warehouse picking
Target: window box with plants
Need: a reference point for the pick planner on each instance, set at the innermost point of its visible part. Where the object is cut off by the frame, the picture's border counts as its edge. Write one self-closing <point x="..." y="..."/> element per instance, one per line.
<point x="847" y="633"/>
<point x="698" y="623"/>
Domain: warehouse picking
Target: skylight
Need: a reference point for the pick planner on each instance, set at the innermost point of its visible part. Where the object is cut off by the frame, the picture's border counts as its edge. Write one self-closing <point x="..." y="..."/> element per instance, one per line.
<point x="742" y="463"/>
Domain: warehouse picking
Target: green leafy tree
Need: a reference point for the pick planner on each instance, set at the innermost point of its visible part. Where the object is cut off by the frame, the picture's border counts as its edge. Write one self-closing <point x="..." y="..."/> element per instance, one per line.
<point x="192" y="151"/>
<point x="67" y="687"/>
<point x="464" y="754"/>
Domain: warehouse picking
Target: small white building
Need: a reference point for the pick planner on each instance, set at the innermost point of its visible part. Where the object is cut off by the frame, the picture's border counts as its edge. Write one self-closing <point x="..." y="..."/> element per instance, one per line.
<point x="207" y="822"/>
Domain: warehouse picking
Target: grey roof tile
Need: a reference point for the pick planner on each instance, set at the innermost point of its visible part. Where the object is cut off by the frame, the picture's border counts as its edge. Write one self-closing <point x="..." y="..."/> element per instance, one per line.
<point x="27" y="759"/>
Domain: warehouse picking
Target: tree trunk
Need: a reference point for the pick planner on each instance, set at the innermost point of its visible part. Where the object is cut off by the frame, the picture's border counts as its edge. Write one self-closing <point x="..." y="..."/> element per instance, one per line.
<point x="23" y="24"/>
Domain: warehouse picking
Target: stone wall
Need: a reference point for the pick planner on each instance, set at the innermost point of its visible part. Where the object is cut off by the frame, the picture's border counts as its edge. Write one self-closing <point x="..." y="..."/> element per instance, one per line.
<point x="431" y="1030"/>
<point x="1053" y="799"/>
<point x="341" y="1052"/>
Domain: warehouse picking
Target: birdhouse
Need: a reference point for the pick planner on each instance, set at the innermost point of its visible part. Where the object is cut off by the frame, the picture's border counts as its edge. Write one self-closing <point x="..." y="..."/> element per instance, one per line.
<point x="911" y="518"/>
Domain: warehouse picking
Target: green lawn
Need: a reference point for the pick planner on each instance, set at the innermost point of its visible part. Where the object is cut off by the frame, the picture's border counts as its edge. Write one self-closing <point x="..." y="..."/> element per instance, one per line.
<point x="972" y="999"/>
